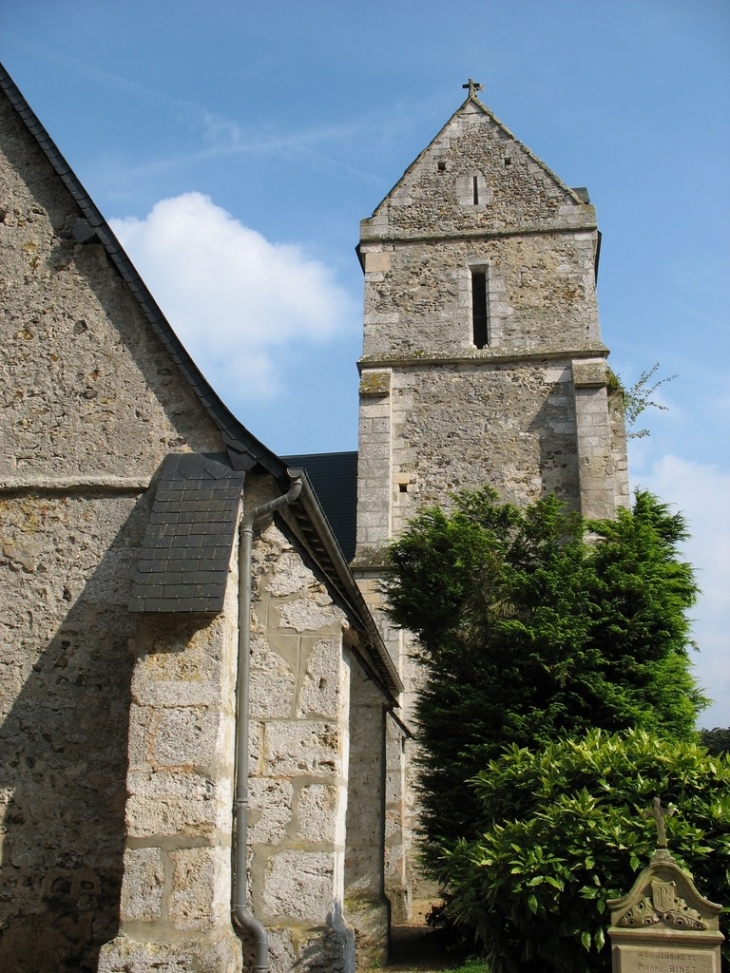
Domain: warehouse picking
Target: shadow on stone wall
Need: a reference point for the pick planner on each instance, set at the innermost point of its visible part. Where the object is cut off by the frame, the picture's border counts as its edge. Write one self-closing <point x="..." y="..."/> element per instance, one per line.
<point x="554" y="426"/>
<point x="63" y="761"/>
<point x="329" y="950"/>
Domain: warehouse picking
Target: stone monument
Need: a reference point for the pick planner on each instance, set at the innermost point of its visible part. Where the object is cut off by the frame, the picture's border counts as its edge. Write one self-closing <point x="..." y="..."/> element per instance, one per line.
<point x="664" y="925"/>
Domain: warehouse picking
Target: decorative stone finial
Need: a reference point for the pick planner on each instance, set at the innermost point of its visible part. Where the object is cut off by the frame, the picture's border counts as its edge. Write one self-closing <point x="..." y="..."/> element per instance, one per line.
<point x="664" y="918"/>
<point x="659" y="813"/>
<point x="473" y="87"/>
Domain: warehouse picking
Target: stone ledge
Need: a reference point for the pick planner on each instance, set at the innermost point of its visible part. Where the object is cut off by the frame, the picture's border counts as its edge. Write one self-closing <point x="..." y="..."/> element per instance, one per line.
<point x="74" y="484"/>
<point x="379" y="230"/>
<point x="480" y="357"/>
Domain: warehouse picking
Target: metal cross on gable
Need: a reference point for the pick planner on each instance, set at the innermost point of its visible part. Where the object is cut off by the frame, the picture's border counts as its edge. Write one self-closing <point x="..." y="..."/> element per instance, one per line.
<point x="473" y="87"/>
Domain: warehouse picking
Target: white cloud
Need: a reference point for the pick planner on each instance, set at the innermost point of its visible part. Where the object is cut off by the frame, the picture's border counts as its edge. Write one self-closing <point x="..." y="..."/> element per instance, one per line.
<point x="236" y="300"/>
<point x="701" y="492"/>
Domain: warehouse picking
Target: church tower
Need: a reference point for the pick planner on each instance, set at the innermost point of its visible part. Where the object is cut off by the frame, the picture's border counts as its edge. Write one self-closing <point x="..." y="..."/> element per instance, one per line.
<point x="482" y="356"/>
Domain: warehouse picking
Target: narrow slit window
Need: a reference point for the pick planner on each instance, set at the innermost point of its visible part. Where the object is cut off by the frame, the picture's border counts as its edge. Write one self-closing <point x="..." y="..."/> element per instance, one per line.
<point x="479" y="316"/>
<point x="475" y="188"/>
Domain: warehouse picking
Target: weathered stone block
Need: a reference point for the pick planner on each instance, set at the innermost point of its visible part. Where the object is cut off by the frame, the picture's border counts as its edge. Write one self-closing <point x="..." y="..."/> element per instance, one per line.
<point x="273" y="683"/>
<point x="377" y="262"/>
<point x="271" y="809"/>
<point x="200" y="887"/>
<point x="282" y="951"/>
<point x="185" y="737"/>
<point x="317" y="813"/>
<point x="328" y="950"/>
<point x="322" y="685"/>
<point x="300" y="747"/>
<point x="291" y="576"/>
<point x="202" y="954"/>
<point x="375" y="383"/>
<point x="144" y="883"/>
<point x="587" y="374"/>
<point x="177" y="803"/>
<point x="299" y="885"/>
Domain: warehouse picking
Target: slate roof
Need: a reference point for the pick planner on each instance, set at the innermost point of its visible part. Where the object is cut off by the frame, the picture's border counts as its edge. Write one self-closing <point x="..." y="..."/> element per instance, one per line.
<point x="334" y="478"/>
<point x="183" y="563"/>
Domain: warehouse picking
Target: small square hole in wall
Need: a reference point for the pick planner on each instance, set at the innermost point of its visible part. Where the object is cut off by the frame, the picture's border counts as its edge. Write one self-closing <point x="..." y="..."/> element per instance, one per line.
<point x="441" y="167"/>
<point x="507" y="160"/>
<point x="403" y="487"/>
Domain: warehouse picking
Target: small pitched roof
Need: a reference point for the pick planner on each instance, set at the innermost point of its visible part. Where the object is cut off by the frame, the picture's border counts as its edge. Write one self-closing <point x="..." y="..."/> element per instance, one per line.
<point x="186" y="551"/>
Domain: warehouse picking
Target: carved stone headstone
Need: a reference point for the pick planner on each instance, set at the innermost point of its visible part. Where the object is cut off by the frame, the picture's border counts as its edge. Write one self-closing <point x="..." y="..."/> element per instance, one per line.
<point x="664" y="925"/>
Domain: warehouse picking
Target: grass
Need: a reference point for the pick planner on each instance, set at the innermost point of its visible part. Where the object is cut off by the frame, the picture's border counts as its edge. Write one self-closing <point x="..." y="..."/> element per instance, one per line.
<point x="468" y="966"/>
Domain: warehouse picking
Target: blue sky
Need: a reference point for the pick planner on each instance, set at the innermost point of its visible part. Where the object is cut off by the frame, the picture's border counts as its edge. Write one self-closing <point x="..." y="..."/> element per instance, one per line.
<point x="236" y="145"/>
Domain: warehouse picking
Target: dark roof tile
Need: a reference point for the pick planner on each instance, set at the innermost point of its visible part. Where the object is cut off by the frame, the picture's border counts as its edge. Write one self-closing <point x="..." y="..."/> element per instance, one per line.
<point x="334" y="478"/>
<point x="183" y="564"/>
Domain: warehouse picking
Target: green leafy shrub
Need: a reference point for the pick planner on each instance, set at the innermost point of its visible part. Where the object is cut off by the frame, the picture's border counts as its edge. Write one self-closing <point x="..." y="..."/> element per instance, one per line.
<point x="562" y="831"/>
<point x="528" y="631"/>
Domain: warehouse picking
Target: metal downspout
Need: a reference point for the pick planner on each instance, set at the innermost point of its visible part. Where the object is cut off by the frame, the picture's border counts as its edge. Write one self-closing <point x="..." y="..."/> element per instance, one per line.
<point x="243" y="920"/>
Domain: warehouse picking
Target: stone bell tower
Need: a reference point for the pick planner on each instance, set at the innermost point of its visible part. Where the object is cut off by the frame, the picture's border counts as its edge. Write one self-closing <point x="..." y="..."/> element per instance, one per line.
<point x="482" y="356"/>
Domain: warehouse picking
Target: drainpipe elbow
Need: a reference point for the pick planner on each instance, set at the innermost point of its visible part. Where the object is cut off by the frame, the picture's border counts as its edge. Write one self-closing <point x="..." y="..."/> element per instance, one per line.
<point x="245" y="922"/>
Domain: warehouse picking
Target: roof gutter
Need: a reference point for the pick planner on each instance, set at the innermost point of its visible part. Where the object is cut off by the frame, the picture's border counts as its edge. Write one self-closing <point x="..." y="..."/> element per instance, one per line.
<point x="379" y="663"/>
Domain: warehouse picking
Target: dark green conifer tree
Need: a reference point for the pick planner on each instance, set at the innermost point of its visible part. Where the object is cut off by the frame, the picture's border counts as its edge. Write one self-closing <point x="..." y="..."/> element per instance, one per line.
<point x="533" y="624"/>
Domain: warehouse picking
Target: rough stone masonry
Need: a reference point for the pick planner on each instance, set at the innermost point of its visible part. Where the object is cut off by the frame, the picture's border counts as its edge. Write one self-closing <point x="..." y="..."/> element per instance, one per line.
<point x="482" y="362"/>
<point x="482" y="358"/>
<point x="123" y="483"/>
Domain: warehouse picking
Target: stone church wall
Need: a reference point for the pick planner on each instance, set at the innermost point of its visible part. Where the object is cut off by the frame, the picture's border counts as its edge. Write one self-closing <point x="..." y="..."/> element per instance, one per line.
<point x="460" y="426"/>
<point x="300" y="685"/>
<point x="117" y="776"/>
<point x="176" y="891"/>
<point x="540" y="294"/>
<point x="482" y="364"/>
<point x="64" y="703"/>
<point x="90" y="405"/>
<point x="366" y="907"/>
<point x="85" y="386"/>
